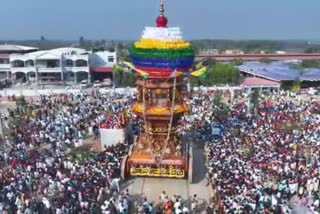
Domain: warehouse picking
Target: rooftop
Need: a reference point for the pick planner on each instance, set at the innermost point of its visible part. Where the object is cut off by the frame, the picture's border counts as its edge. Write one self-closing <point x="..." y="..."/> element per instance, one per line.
<point x="16" y="48"/>
<point x="54" y="53"/>
<point x="280" y="71"/>
<point x="258" y="82"/>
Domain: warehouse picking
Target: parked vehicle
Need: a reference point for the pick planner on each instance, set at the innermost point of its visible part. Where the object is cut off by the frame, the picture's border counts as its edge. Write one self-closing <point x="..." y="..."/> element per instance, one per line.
<point x="106" y="83"/>
<point x="96" y="84"/>
<point x="84" y="84"/>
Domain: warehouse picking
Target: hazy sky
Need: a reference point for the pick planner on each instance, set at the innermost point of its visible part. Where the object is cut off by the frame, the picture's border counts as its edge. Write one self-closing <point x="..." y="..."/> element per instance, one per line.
<point x="125" y="19"/>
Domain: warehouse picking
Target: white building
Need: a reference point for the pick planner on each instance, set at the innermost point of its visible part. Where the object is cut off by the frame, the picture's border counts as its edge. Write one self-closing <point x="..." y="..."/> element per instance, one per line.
<point x="209" y="52"/>
<point x="59" y="65"/>
<point x="5" y="67"/>
<point x="101" y="64"/>
<point x="235" y="51"/>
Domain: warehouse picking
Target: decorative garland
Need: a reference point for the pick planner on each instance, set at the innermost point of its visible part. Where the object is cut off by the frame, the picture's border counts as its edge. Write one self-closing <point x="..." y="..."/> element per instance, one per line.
<point x="162" y="33"/>
<point x="161" y="53"/>
<point x="161" y="63"/>
<point x="162" y="44"/>
<point x="145" y="117"/>
<point x="170" y="122"/>
<point x="171" y="118"/>
<point x="164" y="70"/>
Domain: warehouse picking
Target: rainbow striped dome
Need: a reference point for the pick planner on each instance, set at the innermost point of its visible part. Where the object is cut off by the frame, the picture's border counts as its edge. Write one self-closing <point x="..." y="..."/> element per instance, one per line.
<point x="160" y="51"/>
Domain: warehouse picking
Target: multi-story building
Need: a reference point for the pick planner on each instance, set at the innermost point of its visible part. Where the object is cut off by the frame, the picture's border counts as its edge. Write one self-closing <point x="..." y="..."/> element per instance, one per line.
<point x="5" y="51"/>
<point x="101" y="64"/>
<point x="60" y="65"/>
<point x="4" y="66"/>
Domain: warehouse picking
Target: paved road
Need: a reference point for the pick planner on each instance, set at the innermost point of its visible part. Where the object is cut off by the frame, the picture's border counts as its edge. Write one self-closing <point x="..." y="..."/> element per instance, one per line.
<point x="151" y="188"/>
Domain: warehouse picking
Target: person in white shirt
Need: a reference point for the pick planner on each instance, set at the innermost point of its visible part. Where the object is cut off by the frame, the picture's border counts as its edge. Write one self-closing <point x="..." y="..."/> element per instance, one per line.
<point x="178" y="210"/>
<point x="177" y="204"/>
<point x="185" y="209"/>
<point x="162" y="196"/>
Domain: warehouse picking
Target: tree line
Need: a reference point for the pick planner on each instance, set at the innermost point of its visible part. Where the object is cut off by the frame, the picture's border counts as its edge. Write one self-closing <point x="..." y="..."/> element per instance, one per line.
<point x="217" y="74"/>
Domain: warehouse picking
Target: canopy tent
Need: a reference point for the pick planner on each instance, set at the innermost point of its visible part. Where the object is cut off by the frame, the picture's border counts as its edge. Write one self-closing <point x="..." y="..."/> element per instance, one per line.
<point x="256" y="82"/>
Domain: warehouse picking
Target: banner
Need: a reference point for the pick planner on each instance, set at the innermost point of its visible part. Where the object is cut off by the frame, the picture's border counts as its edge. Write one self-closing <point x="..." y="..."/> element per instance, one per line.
<point x="169" y="171"/>
<point x="200" y="73"/>
<point x="142" y="73"/>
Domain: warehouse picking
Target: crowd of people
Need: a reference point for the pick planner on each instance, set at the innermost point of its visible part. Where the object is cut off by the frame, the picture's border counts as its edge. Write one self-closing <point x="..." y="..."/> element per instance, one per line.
<point x="263" y="160"/>
<point x="266" y="159"/>
<point x="40" y="176"/>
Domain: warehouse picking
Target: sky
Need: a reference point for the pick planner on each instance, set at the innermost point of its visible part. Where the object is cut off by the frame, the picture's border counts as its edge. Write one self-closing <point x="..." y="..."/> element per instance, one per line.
<point x="125" y="19"/>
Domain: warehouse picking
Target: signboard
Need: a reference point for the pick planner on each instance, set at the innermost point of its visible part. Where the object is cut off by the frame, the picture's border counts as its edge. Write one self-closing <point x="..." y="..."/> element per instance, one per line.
<point x="165" y="171"/>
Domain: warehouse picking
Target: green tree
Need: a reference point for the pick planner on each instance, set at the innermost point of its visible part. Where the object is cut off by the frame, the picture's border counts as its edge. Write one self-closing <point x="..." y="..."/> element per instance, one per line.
<point x="223" y="74"/>
<point x="123" y="78"/>
<point x="117" y="77"/>
<point x="218" y="73"/>
<point x="237" y="62"/>
<point x="296" y="85"/>
<point x="128" y="79"/>
<point x="312" y="50"/>
<point x="310" y="64"/>
<point x="194" y="81"/>
<point x="111" y="49"/>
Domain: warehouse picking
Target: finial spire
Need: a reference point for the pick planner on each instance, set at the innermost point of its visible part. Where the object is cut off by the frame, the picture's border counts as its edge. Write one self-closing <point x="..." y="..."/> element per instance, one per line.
<point x="162" y="21"/>
<point x="161" y="8"/>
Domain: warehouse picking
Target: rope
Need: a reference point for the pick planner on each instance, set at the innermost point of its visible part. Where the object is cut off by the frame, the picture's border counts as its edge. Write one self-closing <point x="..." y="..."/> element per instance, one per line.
<point x="145" y="118"/>
<point x="171" y="117"/>
<point x="170" y="122"/>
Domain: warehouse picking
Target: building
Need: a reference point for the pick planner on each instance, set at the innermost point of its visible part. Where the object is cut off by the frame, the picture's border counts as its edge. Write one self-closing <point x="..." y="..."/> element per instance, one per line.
<point x="60" y="65"/>
<point x="209" y="52"/>
<point x="101" y="64"/>
<point x="281" y="52"/>
<point x="10" y="49"/>
<point x="5" y="67"/>
<point x="235" y="51"/>
<point x="250" y="83"/>
<point x="281" y="71"/>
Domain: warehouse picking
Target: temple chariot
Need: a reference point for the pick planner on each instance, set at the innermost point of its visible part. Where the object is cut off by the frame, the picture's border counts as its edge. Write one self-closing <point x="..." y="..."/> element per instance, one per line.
<point x="162" y="60"/>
